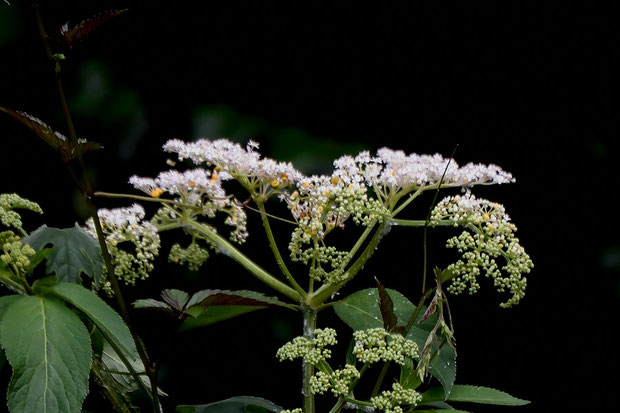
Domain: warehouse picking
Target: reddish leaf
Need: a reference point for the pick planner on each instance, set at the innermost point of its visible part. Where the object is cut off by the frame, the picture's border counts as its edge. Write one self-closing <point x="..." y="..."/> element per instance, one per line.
<point x="387" y="308"/>
<point x="55" y="139"/>
<point x="40" y="128"/>
<point x="77" y="32"/>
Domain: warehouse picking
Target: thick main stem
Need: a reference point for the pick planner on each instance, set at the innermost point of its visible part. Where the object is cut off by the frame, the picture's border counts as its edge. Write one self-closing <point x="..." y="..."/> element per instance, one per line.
<point x="308" y="369"/>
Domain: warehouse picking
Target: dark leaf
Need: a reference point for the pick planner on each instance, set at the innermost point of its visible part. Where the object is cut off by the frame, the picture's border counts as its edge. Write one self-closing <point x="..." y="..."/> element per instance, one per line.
<point x="77" y="32"/>
<point x="40" y="128"/>
<point x="55" y="139"/>
<point x="387" y="308"/>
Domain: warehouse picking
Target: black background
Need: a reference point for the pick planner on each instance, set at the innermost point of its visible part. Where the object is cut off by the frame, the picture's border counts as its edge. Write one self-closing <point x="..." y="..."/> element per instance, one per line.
<point x="528" y="87"/>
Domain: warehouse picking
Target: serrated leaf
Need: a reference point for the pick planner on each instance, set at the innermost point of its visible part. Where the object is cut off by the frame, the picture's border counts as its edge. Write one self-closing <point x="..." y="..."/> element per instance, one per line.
<point x="175" y="298"/>
<point x="210" y="306"/>
<point x="386" y="306"/>
<point x="151" y="303"/>
<point x="472" y="394"/>
<point x="55" y="139"/>
<point x="216" y="314"/>
<point x="38" y="127"/>
<point x="74" y="252"/>
<point x="361" y="311"/>
<point x="117" y="370"/>
<point x="49" y="350"/>
<point x="77" y="32"/>
<point x="110" y="324"/>
<point x="239" y="404"/>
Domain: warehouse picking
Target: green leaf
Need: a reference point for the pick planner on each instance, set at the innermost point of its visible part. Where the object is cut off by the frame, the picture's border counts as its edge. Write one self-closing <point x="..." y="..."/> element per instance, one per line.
<point x="110" y="324"/>
<point x="75" y="251"/>
<point x="409" y="377"/>
<point x="175" y="298"/>
<point x="216" y="314"/>
<point x="472" y="394"/>
<point x="49" y="350"/>
<point x="38" y="258"/>
<point x="239" y="404"/>
<point x="361" y="311"/>
<point x="117" y="370"/>
<point x="210" y="306"/>
<point x="150" y="303"/>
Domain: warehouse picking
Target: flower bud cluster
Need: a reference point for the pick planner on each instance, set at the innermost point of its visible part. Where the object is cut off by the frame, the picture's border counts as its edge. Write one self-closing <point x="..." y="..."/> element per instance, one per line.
<point x="376" y="344"/>
<point x="202" y="191"/>
<point x="122" y="225"/>
<point x="312" y="350"/>
<point x="391" y="401"/>
<point x="298" y="410"/>
<point x="194" y="255"/>
<point x="492" y="236"/>
<point x="339" y="381"/>
<point x="14" y="252"/>
<point x="10" y="218"/>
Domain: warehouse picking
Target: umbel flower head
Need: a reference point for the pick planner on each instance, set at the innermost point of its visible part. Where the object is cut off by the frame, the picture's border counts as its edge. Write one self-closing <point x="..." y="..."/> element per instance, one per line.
<point x="126" y="225"/>
<point x="490" y="236"/>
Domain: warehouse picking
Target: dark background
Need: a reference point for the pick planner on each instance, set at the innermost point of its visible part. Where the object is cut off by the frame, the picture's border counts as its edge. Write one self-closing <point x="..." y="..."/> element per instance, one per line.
<point x="530" y="88"/>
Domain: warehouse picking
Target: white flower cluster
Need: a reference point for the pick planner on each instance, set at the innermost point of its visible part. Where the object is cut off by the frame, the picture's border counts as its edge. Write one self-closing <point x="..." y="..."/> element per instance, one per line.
<point x="376" y="344"/>
<point x="492" y="237"/>
<point x="244" y="164"/>
<point x="396" y="170"/>
<point x="201" y="189"/>
<point x="126" y="225"/>
<point x="391" y="401"/>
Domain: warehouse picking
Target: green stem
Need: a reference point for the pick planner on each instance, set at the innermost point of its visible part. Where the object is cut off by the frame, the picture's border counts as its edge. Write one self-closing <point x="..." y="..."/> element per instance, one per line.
<point x="327" y="290"/>
<point x="141" y="198"/>
<point x="276" y="251"/>
<point x="422" y="223"/>
<point x="308" y="369"/>
<point x="228" y="249"/>
<point x="379" y="382"/>
<point x="408" y="201"/>
<point x="338" y="406"/>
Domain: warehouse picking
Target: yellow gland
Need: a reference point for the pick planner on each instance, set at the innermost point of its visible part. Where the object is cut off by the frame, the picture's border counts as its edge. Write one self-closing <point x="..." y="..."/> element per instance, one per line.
<point x="306" y="184"/>
<point x="293" y="207"/>
<point x="486" y="216"/>
<point x="295" y="194"/>
<point x="327" y="192"/>
<point x="214" y="177"/>
<point x="275" y="183"/>
<point x="156" y="193"/>
<point x="334" y="180"/>
<point x="218" y="168"/>
<point x="283" y="177"/>
<point x="320" y="208"/>
<point x="192" y="184"/>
